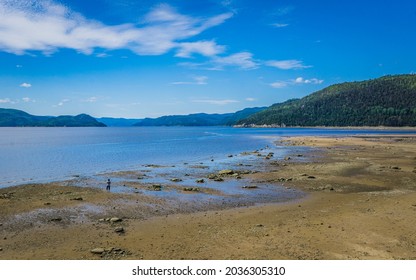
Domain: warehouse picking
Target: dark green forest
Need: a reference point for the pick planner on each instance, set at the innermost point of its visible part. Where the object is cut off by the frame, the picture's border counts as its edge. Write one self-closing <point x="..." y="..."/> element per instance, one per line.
<point x="386" y="101"/>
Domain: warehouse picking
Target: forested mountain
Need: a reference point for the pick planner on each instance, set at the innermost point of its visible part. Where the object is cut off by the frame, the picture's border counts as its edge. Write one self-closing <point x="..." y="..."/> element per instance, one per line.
<point x="386" y="101"/>
<point x="201" y="119"/>
<point x="12" y="117"/>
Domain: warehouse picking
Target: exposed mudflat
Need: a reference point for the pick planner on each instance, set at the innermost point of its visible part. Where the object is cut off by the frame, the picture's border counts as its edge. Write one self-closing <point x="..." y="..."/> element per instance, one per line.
<point x="349" y="198"/>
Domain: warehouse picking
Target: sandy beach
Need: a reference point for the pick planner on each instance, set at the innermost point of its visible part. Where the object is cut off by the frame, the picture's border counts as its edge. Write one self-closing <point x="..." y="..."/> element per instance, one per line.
<point x="359" y="203"/>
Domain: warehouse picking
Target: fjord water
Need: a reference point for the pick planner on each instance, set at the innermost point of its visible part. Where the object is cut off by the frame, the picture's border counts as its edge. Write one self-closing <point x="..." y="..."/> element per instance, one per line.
<point x="49" y="154"/>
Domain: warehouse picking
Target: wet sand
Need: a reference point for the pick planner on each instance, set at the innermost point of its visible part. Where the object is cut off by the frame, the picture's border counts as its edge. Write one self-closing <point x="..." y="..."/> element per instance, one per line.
<point x="359" y="203"/>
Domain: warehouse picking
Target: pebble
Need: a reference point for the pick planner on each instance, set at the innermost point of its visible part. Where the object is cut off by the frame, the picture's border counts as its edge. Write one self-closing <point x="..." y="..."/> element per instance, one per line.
<point x="250" y="187"/>
<point x="115" y="220"/>
<point x="97" y="251"/>
<point x="1" y="249"/>
<point x="119" y="229"/>
<point x="226" y="172"/>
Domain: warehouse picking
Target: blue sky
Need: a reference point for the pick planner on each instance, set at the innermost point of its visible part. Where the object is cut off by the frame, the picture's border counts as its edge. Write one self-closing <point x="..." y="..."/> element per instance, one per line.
<point x="134" y="59"/>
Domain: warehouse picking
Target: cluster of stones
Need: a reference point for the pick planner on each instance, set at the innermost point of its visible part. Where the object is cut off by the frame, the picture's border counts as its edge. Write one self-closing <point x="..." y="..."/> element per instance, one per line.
<point x="107" y="252"/>
<point x="155" y="187"/>
<point x="191" y="189"/>
<point x="227" y="173"/>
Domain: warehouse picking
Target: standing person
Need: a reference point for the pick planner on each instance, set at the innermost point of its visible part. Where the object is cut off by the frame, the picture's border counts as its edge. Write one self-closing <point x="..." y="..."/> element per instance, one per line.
<point x="108" y="185"/>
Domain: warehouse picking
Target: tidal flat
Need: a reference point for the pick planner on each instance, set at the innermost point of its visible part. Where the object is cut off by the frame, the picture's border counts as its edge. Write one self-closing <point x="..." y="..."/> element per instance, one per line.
<point x="329" y="198"/>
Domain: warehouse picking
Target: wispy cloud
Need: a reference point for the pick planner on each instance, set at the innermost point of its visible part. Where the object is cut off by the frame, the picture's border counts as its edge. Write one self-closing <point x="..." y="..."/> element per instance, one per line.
<point x="206" y="48"/>
<point x="242" y="60"/>
<point x="301" y="80"/>
<point x="62" y="102"/>
<point x="6" y="100"/>
<point x="198" y="80"/>
<point x="162" y="30"/>
<point x="28" y="99"/>
<point x="216" y="101"/>
<point x="250" y="99"/>
<point x="279" y="84"/>
<point x="279" y="25"/>
<point x="15" y="101"/>
<point x="287" y="64"/>
<point x="102" y="55"/>
<point x="25" y="85"/>
<point x="297" y="81"/>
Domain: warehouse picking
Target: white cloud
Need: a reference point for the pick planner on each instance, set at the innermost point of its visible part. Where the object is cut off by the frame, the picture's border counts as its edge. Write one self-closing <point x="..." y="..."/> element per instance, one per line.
<point x="19" y="66"/>
<point x="6" y="100"/>
<point x="162" y="30"/>
<point x="250" y="99"/>
<point x="297" y="81"/>
<point x="206" y="48"/>
<point x="280" y="25"/>
<point x="279" y="84"/>
<point x="28" y="99"/>
<point x="25" y="85"/>
<point x="287" y="64"/>
<point x="301" y="80"/>
<point x="198" y="80"/>
<point x="102" y="55"/>
<point x="242" y="60"/>
<point x="216" y="101"/>
<point x="62" y="102"/>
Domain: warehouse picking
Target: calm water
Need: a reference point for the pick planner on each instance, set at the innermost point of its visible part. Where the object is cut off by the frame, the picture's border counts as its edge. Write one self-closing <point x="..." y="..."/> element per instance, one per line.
<point x="49" y="154"/>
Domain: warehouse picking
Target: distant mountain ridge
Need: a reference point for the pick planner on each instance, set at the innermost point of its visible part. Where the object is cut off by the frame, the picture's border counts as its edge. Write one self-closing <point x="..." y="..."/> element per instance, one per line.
<point x="200" y="119"/>
<point x="118" y="122"/>
<point x="386" y="101"/>
<point x="13" y="118"/>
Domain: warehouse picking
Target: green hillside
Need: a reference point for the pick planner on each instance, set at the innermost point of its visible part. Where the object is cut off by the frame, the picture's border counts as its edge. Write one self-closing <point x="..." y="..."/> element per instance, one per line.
<point x="12" y="117"/>
<point x="386" y="101"/>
